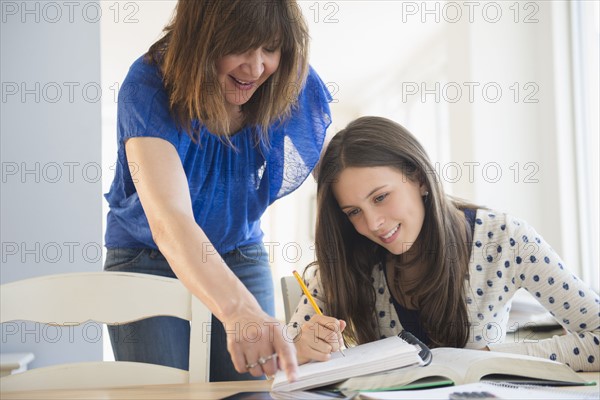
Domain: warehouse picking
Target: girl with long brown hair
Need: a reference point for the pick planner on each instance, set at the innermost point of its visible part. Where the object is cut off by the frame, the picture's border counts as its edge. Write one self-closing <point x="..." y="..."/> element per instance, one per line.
<point x="395" y="252"/>
<point x="210" y="122"/>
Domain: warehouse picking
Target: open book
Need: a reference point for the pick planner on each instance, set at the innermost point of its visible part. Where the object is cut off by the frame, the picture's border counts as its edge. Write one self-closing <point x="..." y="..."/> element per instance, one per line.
<point x="381" y="355"/>
<point x="452" y="366"/>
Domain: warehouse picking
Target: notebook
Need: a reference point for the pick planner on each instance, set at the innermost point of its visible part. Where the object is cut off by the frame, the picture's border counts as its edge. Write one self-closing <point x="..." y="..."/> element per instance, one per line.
<point x="369" y="358"/>
<point x="485" y="391"/>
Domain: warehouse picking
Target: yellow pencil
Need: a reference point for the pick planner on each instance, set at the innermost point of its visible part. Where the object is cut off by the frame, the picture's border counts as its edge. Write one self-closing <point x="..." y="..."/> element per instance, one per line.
<point x="310" y="298"/>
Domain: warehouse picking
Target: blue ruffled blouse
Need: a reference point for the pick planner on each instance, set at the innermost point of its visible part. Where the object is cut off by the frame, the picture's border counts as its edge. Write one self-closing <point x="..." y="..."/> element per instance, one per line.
<point x="230" y="187"/>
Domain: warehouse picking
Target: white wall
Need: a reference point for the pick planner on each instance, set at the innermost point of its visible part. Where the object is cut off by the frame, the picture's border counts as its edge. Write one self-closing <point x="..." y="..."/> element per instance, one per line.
<point x="125" y="34"/>
<point x="51" y="171"/>
<point x="508" y="150"/>
<point x="514" y="149"/>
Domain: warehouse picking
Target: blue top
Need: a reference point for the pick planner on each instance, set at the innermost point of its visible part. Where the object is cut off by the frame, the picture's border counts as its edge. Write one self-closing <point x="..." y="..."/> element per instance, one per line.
<point x="230" y="187"/>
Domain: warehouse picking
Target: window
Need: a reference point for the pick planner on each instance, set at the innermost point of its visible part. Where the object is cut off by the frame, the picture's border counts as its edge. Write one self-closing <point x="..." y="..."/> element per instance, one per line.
<point x="586" y="43"/>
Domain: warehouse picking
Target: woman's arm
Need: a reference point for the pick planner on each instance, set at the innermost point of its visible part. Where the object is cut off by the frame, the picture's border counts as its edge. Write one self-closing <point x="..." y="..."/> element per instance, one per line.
<point x="541" y="271"/>
<point x="163" y="190"/>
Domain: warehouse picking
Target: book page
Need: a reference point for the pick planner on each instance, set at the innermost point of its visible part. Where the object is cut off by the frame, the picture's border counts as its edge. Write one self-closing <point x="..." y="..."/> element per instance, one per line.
<point x="463" y="366"/>
<point x="522" y="368"/>
<point x="448" y="364"/>
<point x="474" y="365"/>
<point x="414" y="376"/>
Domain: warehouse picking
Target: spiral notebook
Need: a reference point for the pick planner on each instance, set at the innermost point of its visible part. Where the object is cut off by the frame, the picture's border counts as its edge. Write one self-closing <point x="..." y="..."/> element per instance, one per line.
<point x="382" y="355"/>
<point x="486" y="391"/>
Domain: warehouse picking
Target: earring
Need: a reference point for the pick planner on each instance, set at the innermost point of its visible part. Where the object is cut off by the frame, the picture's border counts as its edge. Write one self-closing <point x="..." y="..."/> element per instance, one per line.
<point x="425" y="197"/>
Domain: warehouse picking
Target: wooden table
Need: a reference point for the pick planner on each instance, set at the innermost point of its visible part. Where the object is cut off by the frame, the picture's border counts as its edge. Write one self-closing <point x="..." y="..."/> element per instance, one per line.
<point x="11" y="363"/>
<point x="215" y="390"/>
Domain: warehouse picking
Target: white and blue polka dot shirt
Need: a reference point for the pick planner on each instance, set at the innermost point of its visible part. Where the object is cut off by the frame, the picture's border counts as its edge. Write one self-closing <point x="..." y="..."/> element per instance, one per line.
<point x="507" y="255"/>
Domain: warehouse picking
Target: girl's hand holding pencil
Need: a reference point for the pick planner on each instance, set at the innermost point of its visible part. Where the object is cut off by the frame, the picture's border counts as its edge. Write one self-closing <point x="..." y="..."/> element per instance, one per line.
<point x="320" y="336"/>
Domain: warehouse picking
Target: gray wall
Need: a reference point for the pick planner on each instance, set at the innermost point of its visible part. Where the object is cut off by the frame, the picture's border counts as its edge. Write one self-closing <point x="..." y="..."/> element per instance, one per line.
<point x="51" y="195"/>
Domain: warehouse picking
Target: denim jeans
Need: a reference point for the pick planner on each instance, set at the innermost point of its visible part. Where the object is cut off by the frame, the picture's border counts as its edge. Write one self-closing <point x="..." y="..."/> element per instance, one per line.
<point x="165" y="340"/>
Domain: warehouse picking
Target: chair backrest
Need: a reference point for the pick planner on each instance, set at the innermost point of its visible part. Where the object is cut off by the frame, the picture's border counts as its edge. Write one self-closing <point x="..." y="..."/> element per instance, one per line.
<point x="75" y="298"/>
<point x="291" y="295"/>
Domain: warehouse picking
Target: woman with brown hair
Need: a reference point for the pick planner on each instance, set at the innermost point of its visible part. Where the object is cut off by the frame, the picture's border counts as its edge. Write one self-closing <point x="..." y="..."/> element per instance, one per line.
<point x="395" y="252"/>
<point x="210" y="123"/>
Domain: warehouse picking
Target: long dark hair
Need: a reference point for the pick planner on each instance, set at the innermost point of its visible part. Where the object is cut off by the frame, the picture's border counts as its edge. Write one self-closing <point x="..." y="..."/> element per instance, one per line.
<point x="202" y="31"/>
<point x="346" y="259"/>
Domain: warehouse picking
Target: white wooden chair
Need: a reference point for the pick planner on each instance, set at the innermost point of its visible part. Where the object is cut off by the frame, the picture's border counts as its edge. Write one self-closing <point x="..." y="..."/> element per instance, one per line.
<point x="291" y="292"/>
<point x="113" y="298"/>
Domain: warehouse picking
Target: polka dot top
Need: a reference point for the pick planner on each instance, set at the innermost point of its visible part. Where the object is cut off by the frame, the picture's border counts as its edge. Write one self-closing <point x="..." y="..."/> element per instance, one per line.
<point x="507" y="255"/>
